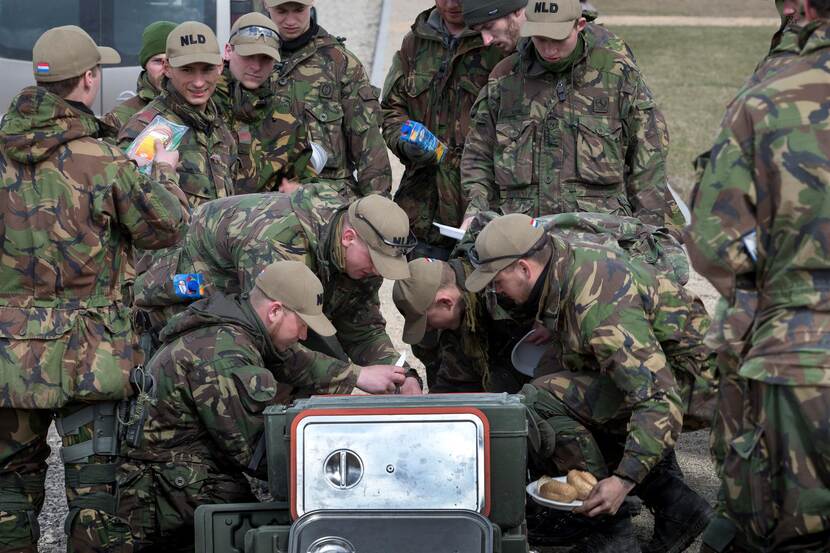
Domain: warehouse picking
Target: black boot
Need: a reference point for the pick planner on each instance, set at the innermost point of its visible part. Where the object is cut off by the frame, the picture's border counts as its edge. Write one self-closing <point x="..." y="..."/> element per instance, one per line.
<point x="550" y="528"/>
<point x="613" y="534"/>
<point x="680" y="514"/>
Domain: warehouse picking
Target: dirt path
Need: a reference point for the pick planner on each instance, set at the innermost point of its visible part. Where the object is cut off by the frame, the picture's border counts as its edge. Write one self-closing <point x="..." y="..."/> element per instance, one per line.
<point x="686" y="21"/>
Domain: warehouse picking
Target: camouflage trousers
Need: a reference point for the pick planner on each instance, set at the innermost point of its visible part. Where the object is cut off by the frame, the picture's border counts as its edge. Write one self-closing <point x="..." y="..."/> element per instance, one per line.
<point x="91" y="524"/>
<point x="775" y="491"/>
<point x="159" y="500"/>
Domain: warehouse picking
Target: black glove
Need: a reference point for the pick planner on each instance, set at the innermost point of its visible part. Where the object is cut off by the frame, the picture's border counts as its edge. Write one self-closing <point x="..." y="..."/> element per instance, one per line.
<point x="410" y="153"/>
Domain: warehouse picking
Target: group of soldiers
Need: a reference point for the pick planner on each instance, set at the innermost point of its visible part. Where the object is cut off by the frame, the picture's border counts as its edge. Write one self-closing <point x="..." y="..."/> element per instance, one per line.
<point x="276" y="204"/>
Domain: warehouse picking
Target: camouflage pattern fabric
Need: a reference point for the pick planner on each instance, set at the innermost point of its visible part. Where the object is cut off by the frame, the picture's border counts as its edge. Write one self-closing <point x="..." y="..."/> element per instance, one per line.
<point x="434" y="79"/>
<point x="215" y="374"/>
<point x="207" y="154"/>
<point x="271" y="144"/>
<point x="123" y="112"/>
<point x="476" y="356"/>
<point x="589" y="139"/>
<point x="325" y="86"/>
<point x="621" y="334"/>
<point x="758" y="236"/>
<point x="71" y="208"/>
<point x="231" y="240"/>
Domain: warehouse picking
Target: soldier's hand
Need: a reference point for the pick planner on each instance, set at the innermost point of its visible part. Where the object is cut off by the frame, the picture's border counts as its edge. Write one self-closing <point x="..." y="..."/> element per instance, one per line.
<point x="541" y="335"/>
<point x="161" y="155"/>
<point x="411" y="387"/>
<point x="381" y="379"/>
<point x="288" y="186"/>
<point x="415" y="155"/>
<point x="606" y="497"/>
<point x="466" y="224"/>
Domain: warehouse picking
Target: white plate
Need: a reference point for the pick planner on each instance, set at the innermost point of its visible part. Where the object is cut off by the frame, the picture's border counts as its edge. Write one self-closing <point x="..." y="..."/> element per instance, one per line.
<point x="526" y="356"/>
<point x="450" y="232"/>
<point x="533" y="491"/>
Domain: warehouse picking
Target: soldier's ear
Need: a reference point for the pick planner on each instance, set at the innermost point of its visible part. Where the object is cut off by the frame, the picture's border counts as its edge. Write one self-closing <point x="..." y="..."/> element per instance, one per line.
<point x="348" y="237"/>
<point x="581" y="24"/>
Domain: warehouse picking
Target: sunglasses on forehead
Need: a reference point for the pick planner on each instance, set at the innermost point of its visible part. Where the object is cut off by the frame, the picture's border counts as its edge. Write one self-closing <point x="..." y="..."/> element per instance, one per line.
<point x="255" y="31"/>
<point x="405" y="245"/>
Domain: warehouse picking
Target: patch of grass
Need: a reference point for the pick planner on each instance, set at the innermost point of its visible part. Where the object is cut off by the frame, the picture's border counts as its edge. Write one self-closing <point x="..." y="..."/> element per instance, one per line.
<point x="694" y="72"/>
<point x="699" y="8"/>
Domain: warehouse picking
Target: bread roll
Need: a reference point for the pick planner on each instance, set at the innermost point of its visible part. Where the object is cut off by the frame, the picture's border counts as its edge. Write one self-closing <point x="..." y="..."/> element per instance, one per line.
<point x="557" y="491"/>
<point x="583" y="482"/>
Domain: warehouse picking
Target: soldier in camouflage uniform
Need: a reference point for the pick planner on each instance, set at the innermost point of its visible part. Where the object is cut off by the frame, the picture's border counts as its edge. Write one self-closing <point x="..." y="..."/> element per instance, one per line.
<point x="208" y="149"/>
<point x="71" y="207"/>
<point x="272" y="145"/>
<point x="222" y="362"/>
<point x="151" y="58"/>
<point x="566" y="124"/>
<point x="434" y="79"/>
<point x="619" y="332"/>
<point x="325" y="86"/>
<point x="758" y="231"/>
<point x="347" y="246"/>
<point x="462" y="358"/>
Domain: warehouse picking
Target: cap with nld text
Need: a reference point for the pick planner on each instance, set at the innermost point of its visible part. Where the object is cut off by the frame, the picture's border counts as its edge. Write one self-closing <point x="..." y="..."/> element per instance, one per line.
<point x="554" y="20"/>
<point x="65" y="52"/>
<point x="298" y="289"/>
<point x="192" y="42"/>
<point x="384" y="227"/>
<point x="414" y="296"/>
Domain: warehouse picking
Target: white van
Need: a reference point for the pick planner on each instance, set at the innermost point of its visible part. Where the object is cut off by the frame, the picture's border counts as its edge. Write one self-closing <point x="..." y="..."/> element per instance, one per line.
<point x="115" y="23"/>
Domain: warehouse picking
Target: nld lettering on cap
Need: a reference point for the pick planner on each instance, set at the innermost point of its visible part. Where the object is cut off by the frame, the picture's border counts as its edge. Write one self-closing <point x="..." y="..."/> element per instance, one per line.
<point x="546" y="7"/>
<point x="188" y="40"/>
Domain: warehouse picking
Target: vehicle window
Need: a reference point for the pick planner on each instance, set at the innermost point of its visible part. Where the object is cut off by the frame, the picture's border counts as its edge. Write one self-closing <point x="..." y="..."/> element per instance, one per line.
<point x="115" y="24"/>
<point x="22" y="22"/>
<point x="123" y="22"/>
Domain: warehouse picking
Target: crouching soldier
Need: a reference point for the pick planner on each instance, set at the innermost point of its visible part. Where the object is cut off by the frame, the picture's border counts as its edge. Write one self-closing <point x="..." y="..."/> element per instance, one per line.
<point x="221" y="363"/>
<point x="347" y="246"/>
<point x="627" y="344"/>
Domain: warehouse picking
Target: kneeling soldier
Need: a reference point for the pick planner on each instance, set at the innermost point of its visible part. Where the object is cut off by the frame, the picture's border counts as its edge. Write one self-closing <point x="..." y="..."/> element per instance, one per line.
<point x="222" y="362"/>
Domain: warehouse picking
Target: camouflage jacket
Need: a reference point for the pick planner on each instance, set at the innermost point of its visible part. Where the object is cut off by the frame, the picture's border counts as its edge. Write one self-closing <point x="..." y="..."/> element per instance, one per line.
<point x="620" y="333"/>
<point x="325" y="86"/>
<point x="271" y="144"/>
<point x="121" y="114"/>
<point x="759" y="218"/>
<point x="71" y="207"/>
<point x="590" y="139"/>
<point x="231" y="240"/>
<point x="463" y="358"/>
<point x="207" y="154"/>
<point x="215" y="373"/>
<point x="434" y="79"/>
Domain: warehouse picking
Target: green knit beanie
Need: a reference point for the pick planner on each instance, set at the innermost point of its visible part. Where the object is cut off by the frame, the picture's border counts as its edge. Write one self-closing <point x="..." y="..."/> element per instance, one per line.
<point x="477" y="12"/>
<point x="154" y="40"/>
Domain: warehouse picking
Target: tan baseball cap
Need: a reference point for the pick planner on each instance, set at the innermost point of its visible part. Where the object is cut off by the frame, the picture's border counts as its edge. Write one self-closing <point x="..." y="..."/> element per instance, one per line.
<point x="273" y="3"/>
<point x="554" y="20"/>
<point x="293" y="284"/>
<point x="384" y="227"/>
<point x="503" y="241"/>
<point x="253" y="33"/>
<point x="192" y="42"/>
<point x="65" y="52"/>
<point x="414" y="295"/>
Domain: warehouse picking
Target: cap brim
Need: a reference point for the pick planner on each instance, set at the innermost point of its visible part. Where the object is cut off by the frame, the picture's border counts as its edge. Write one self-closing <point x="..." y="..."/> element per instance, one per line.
<point x="319" y="324"/>
<point x="389" y="266"/>
<point x="554" y="31"/>
<point x="210" y="59"/>
<point x="108" y="56"/>
<point x="254" y="49"/>
<point x="273" y="3"/>
<point x="478" y="280"/>
<point x="414" y="329"/>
